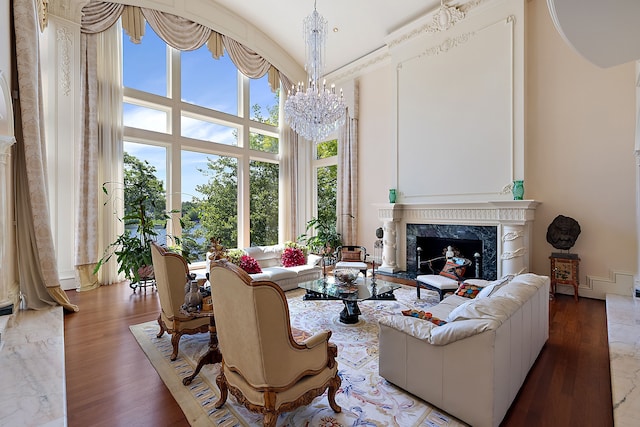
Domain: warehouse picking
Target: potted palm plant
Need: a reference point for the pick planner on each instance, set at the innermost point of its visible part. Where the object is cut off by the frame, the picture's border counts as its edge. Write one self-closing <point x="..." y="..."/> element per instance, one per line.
<point x="144" y="219"/>
<point x="322" y="237"/>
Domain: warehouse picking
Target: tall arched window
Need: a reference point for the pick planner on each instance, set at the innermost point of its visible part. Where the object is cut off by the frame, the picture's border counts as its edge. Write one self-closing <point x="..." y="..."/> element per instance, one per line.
<point x="210" y="135"/>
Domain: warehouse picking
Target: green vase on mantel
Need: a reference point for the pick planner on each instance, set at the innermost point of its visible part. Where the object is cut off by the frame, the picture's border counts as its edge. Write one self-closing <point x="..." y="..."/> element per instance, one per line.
<point x="518" y="190"/>
<point x="392" y="195"/>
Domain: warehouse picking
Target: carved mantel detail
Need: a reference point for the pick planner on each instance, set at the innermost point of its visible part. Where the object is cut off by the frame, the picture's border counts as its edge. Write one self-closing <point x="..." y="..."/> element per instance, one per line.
<point x="512" y="219"/>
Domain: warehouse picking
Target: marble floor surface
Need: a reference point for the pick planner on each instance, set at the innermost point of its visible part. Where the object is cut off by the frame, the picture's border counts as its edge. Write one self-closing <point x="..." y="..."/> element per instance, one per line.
<point x="623" y="328"/>
<point x="32" y="377"/>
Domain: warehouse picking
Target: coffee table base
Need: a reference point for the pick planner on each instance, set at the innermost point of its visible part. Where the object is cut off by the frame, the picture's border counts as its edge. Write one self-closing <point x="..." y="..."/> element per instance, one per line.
<point x="350" y="312"/>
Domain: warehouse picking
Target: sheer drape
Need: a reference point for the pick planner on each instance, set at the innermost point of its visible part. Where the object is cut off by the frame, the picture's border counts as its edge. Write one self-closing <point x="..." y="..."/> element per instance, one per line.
<point x="37" y="265"/>
<point x="101" y="140"/>
<point x="347" y="192"/>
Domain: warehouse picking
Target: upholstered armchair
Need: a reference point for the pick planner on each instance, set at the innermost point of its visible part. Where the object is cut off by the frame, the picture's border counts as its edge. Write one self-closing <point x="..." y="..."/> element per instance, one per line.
<point x="262" y="364"/>
<point x="352" y="257"/>
<point x="171" y="272"/>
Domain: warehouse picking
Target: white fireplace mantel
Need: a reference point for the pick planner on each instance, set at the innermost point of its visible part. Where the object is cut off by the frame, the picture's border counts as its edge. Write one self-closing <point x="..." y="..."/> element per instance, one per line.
<point x="512" y="219"/>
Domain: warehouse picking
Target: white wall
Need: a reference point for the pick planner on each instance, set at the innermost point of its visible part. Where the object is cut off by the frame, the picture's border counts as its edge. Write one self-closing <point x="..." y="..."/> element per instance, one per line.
<point x="579" y="151"/>
<point x="5" y="40"/>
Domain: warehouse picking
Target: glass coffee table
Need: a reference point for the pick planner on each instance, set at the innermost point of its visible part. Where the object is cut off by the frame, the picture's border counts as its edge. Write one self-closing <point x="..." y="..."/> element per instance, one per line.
<point x="363" y="289"/>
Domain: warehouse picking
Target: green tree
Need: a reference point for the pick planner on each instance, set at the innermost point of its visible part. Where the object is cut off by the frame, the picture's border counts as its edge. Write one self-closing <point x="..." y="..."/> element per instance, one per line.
<point x="327" y="178"/>
<point x="141" y="186"/>
<point x="218" y="210"/>
<point x="216" y="214"/>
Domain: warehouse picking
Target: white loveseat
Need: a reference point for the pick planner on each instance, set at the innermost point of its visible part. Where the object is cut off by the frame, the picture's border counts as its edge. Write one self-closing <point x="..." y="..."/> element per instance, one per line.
<point x="473" y="366"/>
<point x="269" y="259"/>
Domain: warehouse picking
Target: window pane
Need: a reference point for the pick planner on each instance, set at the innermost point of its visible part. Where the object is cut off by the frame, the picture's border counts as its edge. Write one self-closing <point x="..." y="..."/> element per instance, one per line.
<point x="208" y="82"/>
<point x="144" y="187"/>
<point x="139" y="117"/>
<point x="264" y="102"/>
<point x="210" y="198"/>
<point x="263" y="191"/>
<point x="144" y="65"/>
<point x="264" y="143"/>
<point x="208" y="131"/>
<point x="327" y="149"/>
<point x="327" y="182"/>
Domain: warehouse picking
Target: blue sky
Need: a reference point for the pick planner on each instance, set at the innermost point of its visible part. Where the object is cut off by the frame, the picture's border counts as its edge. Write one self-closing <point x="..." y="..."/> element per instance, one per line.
<point x="205" y="81"/>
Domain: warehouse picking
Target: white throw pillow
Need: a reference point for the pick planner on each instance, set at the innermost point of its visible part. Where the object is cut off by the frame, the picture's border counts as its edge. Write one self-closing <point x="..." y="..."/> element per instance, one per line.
<point x="459" y="309"/>
<point x="488" y="290"/>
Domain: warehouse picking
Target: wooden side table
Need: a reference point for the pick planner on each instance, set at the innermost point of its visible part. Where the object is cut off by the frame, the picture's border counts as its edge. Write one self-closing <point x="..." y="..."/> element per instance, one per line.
<point x="565" y="271"/>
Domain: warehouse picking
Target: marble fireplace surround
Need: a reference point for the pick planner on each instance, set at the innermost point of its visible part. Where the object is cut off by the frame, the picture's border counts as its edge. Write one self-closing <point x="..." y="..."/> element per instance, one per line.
<point x="512" y="220"/>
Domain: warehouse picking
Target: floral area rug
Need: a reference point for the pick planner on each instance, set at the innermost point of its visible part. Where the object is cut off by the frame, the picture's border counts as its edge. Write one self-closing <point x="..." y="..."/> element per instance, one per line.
<point x="366" y="398"/>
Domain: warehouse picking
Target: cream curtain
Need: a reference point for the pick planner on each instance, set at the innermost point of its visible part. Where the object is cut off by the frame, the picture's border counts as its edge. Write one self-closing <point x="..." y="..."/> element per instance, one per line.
<point x="347" y="194"/>
<point x="101" y="141"/>
<point x="37" y="266"/>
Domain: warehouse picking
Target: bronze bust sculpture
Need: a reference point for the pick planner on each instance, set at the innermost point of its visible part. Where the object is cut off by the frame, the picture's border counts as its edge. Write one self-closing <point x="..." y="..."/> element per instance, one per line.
<point x="563" y="232"/>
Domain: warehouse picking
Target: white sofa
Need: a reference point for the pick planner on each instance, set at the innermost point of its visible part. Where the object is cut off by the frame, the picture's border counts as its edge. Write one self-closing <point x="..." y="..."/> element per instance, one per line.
<point x="473" y="366"/>
<point x="269" y="259"/>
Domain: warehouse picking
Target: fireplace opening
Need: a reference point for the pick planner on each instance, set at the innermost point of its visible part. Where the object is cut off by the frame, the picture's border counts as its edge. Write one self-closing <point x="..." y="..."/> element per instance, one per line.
<point x="434" y="247"/>
<point x="484" y="238"/>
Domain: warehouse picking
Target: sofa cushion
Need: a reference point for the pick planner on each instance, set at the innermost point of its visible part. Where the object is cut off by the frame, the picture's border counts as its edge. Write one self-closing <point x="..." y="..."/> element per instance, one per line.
<point x="492" y="287"/>
<point x="267" y="256"/>
<point x="440" y="282"/>
<point x="278" y="273"/>
<point x="496" y="308"/>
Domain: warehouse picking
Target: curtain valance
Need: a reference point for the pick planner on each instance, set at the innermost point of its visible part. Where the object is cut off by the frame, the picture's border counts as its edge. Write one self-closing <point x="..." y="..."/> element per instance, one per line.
<point x="179" y="33"/>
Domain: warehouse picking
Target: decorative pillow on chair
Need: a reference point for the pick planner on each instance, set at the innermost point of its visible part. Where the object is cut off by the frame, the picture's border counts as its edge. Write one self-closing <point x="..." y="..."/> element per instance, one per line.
<point x="424" y="316"/>
<point x="450" y="270"/>
<point x="468" y="290"/>
<point x="350" y="256"/>
<point x="249" y="264"/>
<point x="292" y="257"/>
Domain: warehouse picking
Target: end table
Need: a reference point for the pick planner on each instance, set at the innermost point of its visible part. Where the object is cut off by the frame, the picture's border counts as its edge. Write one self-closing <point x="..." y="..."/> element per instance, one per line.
<point x="565" y="271"/>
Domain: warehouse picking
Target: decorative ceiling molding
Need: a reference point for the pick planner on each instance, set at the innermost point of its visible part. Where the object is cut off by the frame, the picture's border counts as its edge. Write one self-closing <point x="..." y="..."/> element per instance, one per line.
<point x="443" y="19"/>
<point x="448" y="44"/>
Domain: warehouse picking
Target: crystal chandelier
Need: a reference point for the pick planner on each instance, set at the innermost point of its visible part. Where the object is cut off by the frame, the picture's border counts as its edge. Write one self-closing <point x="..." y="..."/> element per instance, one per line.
<point x="317" y="111"/>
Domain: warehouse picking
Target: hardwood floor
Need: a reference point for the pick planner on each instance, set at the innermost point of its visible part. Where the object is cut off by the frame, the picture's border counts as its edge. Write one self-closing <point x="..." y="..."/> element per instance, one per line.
<point x="111" y="383"/>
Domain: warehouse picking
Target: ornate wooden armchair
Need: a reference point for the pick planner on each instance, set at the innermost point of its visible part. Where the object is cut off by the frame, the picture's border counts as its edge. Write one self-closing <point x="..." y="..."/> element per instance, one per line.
<point x="171" y="272"/>
<point x="352" y="257"/>
<point x="262" y="365"/>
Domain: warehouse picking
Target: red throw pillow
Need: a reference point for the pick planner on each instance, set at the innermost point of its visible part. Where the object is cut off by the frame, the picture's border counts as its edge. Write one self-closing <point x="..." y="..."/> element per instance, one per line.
<point x="451" y="269"/>
<point x="249" y="264"/>
<point x="292" y="257"/>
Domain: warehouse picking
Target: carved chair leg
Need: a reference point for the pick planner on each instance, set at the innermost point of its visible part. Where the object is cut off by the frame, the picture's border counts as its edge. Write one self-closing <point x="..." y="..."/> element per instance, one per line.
<point x="334" y="385"/>
<point x="270" y="419"/>
<point x="162" y="328"/>
<point x="221" y="381"/>
<point x="175" y="341"/>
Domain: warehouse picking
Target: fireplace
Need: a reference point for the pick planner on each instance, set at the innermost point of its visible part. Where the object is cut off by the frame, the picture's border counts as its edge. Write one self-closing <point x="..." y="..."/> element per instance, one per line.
<point x="467" y="240"/>
<point x="503" y="227"/>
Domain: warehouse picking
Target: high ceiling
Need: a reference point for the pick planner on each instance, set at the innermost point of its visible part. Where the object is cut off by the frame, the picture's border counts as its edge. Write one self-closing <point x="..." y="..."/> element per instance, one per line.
<point x="362" y="25"/>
